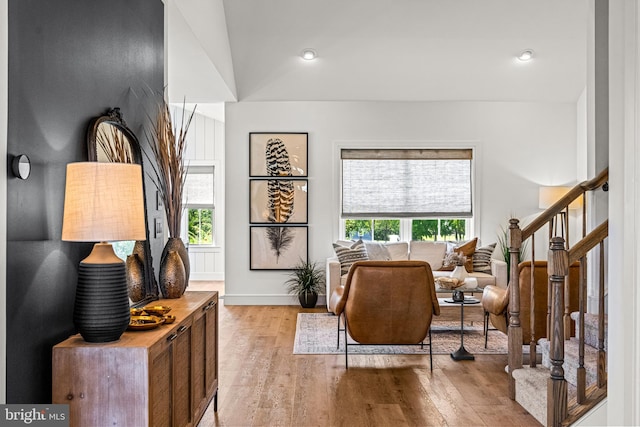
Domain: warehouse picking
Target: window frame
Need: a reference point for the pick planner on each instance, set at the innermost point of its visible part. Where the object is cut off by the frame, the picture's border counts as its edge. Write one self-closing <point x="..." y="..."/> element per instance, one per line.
<point x="200" y="169"/>
<point x="472" y="222"/>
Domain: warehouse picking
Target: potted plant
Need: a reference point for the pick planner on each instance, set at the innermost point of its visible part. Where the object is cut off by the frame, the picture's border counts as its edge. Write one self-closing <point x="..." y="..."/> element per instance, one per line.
<point x="306" y="280"/>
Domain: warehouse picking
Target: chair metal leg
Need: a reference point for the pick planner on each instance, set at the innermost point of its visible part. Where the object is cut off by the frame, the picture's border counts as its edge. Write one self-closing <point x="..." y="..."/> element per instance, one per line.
<point x="430" y="351"/>
<point x="338" y="334"/>
<point x="346" y="344"/>
<point x="486" y="328"/>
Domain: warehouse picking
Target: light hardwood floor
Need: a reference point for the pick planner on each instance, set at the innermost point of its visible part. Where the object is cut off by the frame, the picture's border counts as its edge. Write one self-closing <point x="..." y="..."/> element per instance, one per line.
<point x="263" y="384"/>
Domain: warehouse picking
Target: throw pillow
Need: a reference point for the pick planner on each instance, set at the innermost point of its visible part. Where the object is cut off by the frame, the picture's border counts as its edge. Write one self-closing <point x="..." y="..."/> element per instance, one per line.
<point x="467" y="249"/>
<point x="377" y="251"/>
<point x="431" y="252"/>
<point x="348" y="255"/>
<point x="482" y="258"/>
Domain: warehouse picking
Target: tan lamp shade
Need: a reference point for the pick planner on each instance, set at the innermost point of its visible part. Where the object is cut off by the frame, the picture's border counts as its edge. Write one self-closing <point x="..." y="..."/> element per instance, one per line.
<point x="103" y="202"/>
<point x="547" y="196"/>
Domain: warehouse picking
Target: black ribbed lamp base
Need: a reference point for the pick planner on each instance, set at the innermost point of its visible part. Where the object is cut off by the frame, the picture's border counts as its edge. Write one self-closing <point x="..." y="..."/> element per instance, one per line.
<point x="101" y="312"/>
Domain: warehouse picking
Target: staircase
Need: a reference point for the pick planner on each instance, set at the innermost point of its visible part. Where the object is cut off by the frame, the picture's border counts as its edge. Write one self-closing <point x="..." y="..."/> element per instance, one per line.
<point x="572" y="376"/>
<point x="530" y="381"/>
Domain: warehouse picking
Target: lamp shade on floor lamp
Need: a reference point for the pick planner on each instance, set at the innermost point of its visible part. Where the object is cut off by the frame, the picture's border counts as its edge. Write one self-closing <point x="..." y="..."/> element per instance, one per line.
<point x="104" y="202"/>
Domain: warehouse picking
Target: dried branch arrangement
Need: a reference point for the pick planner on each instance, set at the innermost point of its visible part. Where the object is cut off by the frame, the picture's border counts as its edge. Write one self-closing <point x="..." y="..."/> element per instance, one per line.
<point x="114" y="144"/>
<point x="168" y="144"/>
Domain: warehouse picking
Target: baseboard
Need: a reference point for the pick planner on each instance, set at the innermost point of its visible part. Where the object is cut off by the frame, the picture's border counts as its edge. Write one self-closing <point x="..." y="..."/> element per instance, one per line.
<point x="267" y="299"/>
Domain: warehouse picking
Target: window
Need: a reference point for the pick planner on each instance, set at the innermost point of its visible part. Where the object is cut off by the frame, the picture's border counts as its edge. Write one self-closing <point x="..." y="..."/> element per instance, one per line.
<point x="407" y="194"/>
<point x="198" y="204"/>
<point x="389" y="183"/>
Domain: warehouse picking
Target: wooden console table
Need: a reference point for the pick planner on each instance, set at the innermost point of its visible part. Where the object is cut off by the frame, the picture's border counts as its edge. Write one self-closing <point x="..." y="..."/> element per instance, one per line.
<point x="166" y="376"/>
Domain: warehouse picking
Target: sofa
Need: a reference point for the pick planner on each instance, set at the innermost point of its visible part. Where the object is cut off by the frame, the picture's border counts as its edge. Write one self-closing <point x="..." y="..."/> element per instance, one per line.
<point x="481" y="263"/>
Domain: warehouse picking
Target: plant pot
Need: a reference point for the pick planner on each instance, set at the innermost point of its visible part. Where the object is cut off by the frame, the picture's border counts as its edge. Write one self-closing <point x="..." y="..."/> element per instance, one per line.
<point x="176" y="244"/>
<point x="308" y="299"/>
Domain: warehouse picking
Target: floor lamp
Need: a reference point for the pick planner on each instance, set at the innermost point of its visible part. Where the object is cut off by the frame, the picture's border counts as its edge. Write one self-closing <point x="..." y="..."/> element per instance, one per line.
<point x="103" y="202"/>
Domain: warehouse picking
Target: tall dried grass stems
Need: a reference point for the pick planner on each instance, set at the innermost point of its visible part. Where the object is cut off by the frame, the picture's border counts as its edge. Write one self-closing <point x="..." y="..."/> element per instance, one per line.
<point x="114" y="144"/>
<point x="168" y="144"/>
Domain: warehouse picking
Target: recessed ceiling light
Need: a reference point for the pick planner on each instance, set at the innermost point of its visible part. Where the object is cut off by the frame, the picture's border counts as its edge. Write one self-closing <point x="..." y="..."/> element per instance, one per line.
<point x="309" y="54"/>
<point x="526" y="55"/>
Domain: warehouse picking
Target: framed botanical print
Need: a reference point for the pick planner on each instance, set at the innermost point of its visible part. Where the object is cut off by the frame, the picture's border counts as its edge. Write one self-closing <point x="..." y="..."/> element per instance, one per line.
<point x="278" y="155"/>
<point x="278" y="201"/>
<point x="278" y="247"/>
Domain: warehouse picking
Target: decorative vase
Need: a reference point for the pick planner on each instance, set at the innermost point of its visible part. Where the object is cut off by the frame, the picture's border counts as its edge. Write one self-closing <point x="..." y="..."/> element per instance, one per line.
<point x="135" y="277"/>
<point x="176" y="244"/>
<point x="172" y="275"/>
<point x="308" y="299"/>
<point x="460" y="272"/>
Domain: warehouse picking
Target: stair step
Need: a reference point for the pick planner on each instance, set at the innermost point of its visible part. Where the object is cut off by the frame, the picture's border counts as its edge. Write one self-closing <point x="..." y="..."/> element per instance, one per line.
<point x="570" y="365"/>
<point x="591" y="328"/>
<point x="531" y="391"/>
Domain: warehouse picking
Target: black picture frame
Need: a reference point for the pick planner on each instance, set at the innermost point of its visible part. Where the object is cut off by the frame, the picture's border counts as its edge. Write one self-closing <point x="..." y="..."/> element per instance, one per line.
<point x="261" y="188"/>
<point x="295" y="146"/>
<point x="263" y="254"/>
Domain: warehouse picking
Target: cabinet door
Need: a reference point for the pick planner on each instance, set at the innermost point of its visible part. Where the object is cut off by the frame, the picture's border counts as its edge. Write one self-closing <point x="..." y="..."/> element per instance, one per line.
<point x="182" y="390"/>
<point x="211" y="349"/>
<point x="161" y="384"/>
<point x="205" y="368"/>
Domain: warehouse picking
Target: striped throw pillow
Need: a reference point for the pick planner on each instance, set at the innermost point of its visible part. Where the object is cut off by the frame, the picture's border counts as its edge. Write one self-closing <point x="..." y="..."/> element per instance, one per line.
<point x="482" y="259"/>
<point x="350" y="254"/>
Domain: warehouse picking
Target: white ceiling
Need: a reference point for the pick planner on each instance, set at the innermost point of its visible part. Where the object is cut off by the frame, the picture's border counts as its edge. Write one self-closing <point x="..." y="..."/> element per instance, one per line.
<point x="399" y="50"/>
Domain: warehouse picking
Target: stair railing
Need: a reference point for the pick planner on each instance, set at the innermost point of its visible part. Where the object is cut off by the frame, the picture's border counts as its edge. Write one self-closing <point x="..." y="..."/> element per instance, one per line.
<point x="556" y="217"/>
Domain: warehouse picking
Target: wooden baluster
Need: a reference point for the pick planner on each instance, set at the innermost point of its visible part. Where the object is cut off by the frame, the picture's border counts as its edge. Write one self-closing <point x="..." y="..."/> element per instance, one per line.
<point x="558" y="268"/>
<point x="514" y="335"/>
<point x="532" y="305"/>
<point x="602" y="356"/>
<point x="582" y="373"/>
<point x="567" y="299"/>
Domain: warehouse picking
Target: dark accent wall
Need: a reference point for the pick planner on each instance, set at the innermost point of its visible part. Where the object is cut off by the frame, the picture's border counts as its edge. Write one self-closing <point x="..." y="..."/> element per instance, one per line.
<point x="69" y="60"/>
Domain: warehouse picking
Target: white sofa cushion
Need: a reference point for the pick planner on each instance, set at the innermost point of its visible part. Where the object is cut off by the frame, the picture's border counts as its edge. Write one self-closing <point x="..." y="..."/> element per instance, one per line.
<point x="431" y="252"/>
<point x="377" y="251"/>
<point x="399" y="251"/>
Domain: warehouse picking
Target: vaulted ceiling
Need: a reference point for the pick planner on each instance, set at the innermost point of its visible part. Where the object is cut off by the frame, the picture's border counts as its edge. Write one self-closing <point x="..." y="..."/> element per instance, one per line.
<point x="390" y="50"/>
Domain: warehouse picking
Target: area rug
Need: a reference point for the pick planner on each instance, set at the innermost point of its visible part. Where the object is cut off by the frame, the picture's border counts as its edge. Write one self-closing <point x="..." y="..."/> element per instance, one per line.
<point x="316" y="334"/>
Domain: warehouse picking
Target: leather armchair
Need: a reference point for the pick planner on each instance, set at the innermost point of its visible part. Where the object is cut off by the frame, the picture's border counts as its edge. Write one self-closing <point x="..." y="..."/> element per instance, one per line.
<point x="387" y="303"/>
<point x="495" y="300"/>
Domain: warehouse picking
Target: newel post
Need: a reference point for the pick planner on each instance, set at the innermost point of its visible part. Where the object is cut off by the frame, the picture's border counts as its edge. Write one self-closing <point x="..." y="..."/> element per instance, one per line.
<point x="514" y="335"/>
<point x="558" y="269"/>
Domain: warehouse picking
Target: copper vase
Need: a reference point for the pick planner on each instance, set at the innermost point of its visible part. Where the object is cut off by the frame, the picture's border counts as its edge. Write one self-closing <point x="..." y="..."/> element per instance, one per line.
<point x="176" y="244"/>
<point x="172" y="275"/>
<point x="135" y="277"/>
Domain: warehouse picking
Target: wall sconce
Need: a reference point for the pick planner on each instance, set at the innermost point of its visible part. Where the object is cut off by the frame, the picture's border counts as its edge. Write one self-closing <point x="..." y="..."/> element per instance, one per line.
<point x="103" y="202"/>
<point x="21" y="166"/>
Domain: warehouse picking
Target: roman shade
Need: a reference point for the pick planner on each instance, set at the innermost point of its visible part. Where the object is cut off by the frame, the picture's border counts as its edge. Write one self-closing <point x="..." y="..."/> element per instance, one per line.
<point x="415" y="183"/>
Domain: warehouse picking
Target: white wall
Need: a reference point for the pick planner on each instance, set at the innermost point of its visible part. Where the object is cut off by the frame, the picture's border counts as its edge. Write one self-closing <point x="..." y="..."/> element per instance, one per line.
<point x="205" y="147"/>
<point x="519" y="146"/>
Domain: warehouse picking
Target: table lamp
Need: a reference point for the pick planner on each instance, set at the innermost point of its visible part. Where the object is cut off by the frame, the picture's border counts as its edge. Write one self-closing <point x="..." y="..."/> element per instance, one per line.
<point x="103" y="202"/>
<point x="548" y="195"/>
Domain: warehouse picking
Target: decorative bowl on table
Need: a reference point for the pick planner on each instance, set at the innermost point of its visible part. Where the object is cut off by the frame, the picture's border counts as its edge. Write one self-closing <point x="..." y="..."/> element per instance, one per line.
<point x="142" y="323"/>
<point x="157" y="310"/>
<point x="169" y="318"/>
<point x="137" y="311"/>
<point x="448" y="283"/>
